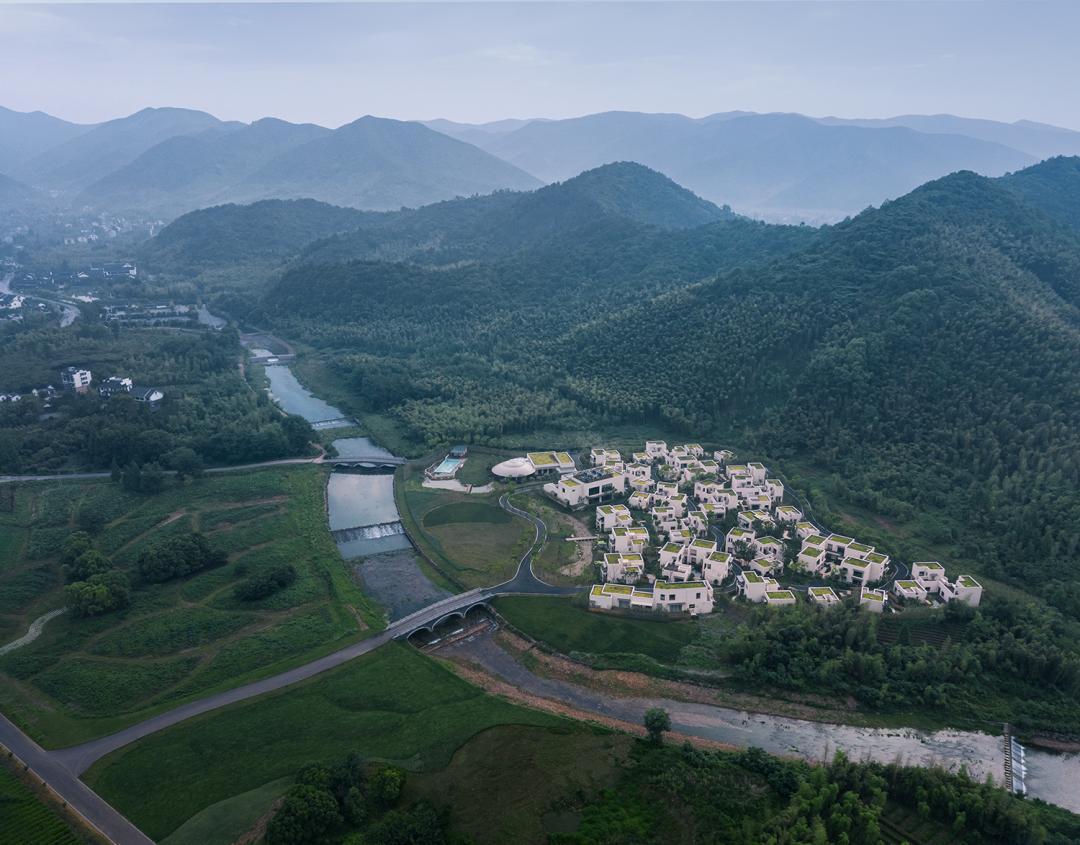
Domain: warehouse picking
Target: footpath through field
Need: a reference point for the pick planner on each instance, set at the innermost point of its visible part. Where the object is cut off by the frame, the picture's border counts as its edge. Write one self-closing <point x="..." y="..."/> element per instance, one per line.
<point x="61" y="769"/>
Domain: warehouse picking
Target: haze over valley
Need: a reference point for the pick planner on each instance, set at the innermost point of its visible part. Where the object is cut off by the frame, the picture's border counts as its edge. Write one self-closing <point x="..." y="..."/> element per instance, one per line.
<point x="621" y="455"/>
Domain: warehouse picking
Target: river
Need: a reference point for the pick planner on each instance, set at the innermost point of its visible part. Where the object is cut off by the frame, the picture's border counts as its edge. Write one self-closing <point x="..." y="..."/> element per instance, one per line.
<point x="367" y="500"/>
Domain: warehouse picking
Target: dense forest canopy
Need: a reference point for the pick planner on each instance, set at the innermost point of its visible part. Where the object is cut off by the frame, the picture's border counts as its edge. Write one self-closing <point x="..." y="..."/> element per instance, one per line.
<point x="926" y="352"/>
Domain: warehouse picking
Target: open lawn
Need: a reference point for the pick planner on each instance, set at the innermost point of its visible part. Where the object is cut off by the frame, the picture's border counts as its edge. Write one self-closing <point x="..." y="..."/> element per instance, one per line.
<point x="178" y="640"/>
<point x="494" y="804"/>
<point x="226" y="821"/>
<point x="470" y="536"/>
<point x="393" y="704"/>
<point x="566" y="627"/>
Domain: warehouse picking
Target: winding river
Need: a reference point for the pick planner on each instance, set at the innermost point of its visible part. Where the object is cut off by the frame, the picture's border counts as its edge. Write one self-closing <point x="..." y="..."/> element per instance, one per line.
<point x="368" y="500"/>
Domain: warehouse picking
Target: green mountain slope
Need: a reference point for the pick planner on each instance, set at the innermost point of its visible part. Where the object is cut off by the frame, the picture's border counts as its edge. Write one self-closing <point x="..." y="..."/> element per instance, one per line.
<point x="25" y="135"/>
<point x="927" y="352"/>
<point x="381" y="164"/>
<point x="493" y="226"/>
<point x="1052" y="185"/>
<point x="189" y="171"/>
<point x="266" y="231"/>
<point x="75" y="164"/>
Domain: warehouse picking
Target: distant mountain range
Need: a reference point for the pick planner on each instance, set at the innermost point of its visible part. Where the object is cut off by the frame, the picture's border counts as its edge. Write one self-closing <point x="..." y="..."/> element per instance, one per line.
<point x="773" y="166"/>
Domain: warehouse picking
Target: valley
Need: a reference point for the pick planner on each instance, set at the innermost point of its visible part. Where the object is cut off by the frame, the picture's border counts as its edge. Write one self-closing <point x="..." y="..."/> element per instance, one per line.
<point x="904" y="380"/>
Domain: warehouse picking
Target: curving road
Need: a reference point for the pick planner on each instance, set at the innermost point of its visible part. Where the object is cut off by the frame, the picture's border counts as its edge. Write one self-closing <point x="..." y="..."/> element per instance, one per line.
<point x="61" y="769"/>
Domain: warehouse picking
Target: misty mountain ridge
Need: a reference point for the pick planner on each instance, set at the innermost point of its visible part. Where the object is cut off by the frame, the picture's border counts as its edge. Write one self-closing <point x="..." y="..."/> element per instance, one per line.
<point x="771" y="166"/>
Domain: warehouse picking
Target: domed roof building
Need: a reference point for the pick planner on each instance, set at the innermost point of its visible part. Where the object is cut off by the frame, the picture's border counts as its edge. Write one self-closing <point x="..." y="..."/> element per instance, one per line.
<point x="514" y="468"/>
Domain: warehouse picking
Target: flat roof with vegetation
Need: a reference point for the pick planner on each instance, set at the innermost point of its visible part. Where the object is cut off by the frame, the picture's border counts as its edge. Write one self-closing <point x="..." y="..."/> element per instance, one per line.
<point x="874" y="557"/>
<point x="688" y="585"/>
<point x="619" y="589"/>
<point x="840" y="541"/>
<point x="812" y="552"/>
<point x="542" y="458"/>
<point x="822" y="591"/>
<point x="859" y="547"/>
<point x="753" y="577"/>
<point x="968" y="581"/>
<point x="907" y="585"/>
<point x="873" y="595"/>
<point x="564" y="458"/>
<point x="781" y="594"/>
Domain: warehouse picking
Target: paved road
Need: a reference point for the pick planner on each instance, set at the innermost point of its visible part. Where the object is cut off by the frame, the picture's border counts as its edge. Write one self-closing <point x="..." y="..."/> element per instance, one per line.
<point x="66" y="784"/>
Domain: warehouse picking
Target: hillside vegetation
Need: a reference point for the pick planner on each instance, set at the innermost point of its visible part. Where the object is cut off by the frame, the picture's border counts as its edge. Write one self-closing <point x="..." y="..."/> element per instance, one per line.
<point x="925" y="352"/>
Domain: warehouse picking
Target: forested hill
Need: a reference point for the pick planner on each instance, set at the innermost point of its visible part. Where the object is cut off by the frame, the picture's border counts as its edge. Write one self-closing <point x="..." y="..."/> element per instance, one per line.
<point x="928" y="352"/>
<point x="1052" y="185"/>
<point x="493" y="226"/>
<point x="270" y="230"/>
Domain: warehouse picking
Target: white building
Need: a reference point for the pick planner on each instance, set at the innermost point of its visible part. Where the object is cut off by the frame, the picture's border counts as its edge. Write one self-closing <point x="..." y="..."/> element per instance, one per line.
<point x="75" y="379"/>
<point x="588" y="487"/>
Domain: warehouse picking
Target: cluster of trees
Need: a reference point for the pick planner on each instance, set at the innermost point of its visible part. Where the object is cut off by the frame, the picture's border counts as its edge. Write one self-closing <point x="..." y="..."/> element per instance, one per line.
<point x="1004" y="661"/>
<point x="330" y="801"/>
<point x="93" y="586"/>
<point x="179" y="557"/>
<point x="926" y="352"/>
<point x="751" y="796"/>
<point x="208" y="415"/>
<point x="266" y="583"/>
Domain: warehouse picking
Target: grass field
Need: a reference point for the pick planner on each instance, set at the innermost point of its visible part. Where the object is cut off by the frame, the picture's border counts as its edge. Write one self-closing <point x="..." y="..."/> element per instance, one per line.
<point x="468" y="535"/>
<point x="494" y="804"/>
<point x="392" y="704"/>
<point x="24" y="820"/>
<point x="179" y="640"/>
<point x="566" y="627"/>
<point x="226" y="821"/>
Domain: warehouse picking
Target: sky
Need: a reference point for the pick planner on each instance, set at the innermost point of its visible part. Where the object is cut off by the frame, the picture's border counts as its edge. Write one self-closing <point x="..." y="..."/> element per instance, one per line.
<point x="330" y="63"/>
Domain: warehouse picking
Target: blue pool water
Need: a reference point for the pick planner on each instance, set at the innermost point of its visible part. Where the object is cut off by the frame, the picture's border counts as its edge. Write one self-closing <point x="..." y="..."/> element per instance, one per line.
<point x="448" y="465"/>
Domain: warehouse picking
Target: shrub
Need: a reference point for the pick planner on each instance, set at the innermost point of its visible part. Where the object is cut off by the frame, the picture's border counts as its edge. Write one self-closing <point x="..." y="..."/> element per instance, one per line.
<point x="178" y="557"/>
<point x="266" y="583"/>
<point x="99" y="593"/>
<point x="85" y="566"/>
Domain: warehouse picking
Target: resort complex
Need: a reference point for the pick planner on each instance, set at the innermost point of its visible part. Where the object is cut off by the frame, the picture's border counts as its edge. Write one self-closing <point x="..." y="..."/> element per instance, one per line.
<point x="675" y="524"/>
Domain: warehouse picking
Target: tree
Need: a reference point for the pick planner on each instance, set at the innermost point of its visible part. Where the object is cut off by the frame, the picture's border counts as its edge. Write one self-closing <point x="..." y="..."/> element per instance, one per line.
<point x="743" y="550"/>
<point x="186" y="461"/>
<point x="73" y="546"/>
<point x="132" y="478"/>
<point x="657" y="721"/>
<point x="386" y="785"/>
<point x="86" y="565"/>
<point x="115" y="473"/>
<point x="298" y="432"/>
<point x="308" y="813"/>
<point x="152" y="480"/>
<point x="99" y="593"/>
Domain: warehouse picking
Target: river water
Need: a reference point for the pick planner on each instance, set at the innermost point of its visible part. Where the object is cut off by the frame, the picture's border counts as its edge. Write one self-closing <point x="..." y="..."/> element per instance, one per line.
<point x="294" y="398"/>
<point x="358" y="500"/>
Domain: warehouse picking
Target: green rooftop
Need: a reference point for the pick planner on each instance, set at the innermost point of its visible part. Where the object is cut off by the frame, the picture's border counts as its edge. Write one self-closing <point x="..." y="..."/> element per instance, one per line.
<point x="542" y="459"/>
<point x="781" y="594"/>
<point x="618" y="588"/>
<point x="753" y="577"/>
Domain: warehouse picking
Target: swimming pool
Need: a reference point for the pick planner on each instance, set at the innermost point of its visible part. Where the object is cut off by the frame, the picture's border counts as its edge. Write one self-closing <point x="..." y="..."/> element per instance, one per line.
<point x="448" y="466"/>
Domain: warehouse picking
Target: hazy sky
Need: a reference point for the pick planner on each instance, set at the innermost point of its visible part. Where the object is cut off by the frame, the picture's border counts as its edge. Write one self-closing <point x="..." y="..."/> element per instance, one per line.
<point x="474" y="62"/>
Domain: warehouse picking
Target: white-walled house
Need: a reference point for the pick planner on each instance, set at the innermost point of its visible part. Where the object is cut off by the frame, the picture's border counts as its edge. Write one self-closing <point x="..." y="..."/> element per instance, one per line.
<point x="656" y="450"/>
<point x="698" y="550"/>
<point x="823" y="595"/>
<point x="640" y="500"/>
<point x="723" y="456"/>
<point x="629" y="540"/>
<point x="588" y="487"/>
<point x="786" y="513"/>
<point x="774" y="489"/>
<point x="672" y="553"/>
<point x="764" y="565"/>
<point x="769" y="547"/>
<point x="623" y="569"/>
<point x="612" y="516"/>
<point x="752" y="586"/>
<point x="779" y="597"/>
<point x="716" y="567"/>
<point x="874" y="600"/>
<point x="601" y="457"/>
<point x="748" y="518"/>
<point x="736" y="535"/>
<point x="665" y="490"/>
<point x="910" y="589"/>
<point x="694" y="596"/>
<point x="805" y="529"/>
<point x="637" y="471"/>
<point x="812" y="560"/>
